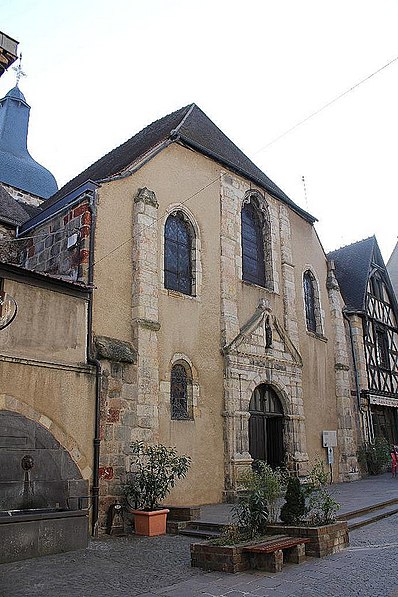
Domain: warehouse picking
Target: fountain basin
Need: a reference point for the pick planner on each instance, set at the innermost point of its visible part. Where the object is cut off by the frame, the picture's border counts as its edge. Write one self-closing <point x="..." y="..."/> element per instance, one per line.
<point x="40" y="532"/>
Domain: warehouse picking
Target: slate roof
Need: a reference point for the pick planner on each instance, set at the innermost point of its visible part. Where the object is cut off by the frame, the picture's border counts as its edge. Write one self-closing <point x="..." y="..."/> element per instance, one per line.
<point x="353" y="265"/>
<point x="191" y="127"/>
<point x="15" y="212"/>
<point x="17" y="167"/>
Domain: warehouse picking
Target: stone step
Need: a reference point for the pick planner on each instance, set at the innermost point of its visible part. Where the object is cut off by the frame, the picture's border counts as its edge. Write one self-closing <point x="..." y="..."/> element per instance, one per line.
<point x="200" y="534"/>
<point x="202" y="529"/>
<point x="354" y="518"/>
<point x="364" y="518"/>
<point x="367" y="509"/>
<point x="203" y="525"/>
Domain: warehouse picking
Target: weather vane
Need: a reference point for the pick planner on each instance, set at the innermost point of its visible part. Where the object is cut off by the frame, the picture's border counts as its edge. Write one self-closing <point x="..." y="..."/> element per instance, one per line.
<point x="18" y="70"/>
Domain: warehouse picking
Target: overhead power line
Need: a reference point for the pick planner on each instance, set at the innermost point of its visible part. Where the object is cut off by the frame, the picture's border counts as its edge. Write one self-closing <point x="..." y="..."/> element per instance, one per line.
<point x="333" y="101"/>
<point x="292" y="128"/>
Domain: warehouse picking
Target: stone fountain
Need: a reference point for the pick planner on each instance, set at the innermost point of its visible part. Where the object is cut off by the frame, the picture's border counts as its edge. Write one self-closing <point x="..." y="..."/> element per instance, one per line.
<point x="43" y="498"/>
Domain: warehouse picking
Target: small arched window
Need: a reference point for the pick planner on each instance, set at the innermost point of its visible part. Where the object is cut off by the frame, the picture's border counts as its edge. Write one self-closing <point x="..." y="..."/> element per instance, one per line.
<point x="181" y="391"/>
<point x="178" y="244"/>
<point x="253" y="265"/>
<point x="311" y="302"/>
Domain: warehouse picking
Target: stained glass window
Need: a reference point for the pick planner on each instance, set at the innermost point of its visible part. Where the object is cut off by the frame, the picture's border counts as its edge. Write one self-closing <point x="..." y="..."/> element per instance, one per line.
<point x="309" y="300"/>
<point x="253" y="269"/>
<point x="177" y="254"/>
<point x="180" y="393"/>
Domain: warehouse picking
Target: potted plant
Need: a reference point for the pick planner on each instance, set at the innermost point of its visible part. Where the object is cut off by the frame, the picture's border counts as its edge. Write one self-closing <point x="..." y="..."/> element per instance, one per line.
<point x="374" y="458"/>
<point x="154" y="471"/>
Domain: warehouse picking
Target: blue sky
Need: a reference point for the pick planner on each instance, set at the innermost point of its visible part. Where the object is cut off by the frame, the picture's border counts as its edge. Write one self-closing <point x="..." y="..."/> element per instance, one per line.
<point x="100" y="71"/>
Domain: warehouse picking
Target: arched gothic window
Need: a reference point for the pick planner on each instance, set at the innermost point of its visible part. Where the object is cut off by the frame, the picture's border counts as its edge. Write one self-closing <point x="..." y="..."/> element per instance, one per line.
<point x="178" y="246"/>
<point x="253" y="264"/>
<point x="181" y="391"/>
<point x="311" y="302"/>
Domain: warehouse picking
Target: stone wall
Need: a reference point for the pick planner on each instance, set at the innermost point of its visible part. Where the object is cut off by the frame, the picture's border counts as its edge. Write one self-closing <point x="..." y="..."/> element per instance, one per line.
<point x="46" y="389"/>
<point x="46" y="248"/>
<point x="10" y="248"/>
<point x="324" y="540"/>
<point x="118" y="417"/>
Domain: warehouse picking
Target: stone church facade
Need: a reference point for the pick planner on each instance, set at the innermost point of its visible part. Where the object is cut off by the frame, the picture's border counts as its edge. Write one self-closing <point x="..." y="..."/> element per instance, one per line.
<point x="216" y="319"/>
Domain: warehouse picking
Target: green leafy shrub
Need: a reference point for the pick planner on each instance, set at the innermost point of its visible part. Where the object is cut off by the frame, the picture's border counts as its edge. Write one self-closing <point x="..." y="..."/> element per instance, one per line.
<point x="374" y="458"/>
<point x="294" y="508"/>
<point x="258" y="502"/>
<point x="321" y="506"/>
<point x="271" y="483"/>
<point x="154" y="471"/>
<point x="251" y="512"/>
<point x="232" y="534"/>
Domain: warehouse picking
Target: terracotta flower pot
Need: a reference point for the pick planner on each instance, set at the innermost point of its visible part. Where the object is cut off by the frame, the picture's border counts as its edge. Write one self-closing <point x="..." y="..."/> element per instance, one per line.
<point x="150" y="524"/>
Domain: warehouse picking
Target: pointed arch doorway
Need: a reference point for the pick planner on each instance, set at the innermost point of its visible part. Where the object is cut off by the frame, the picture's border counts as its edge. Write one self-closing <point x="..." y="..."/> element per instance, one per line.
<point x="266" y="426"/>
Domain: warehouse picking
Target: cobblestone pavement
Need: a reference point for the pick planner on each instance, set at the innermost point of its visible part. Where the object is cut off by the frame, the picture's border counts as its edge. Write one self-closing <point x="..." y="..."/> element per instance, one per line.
<point x="160" y="567"/>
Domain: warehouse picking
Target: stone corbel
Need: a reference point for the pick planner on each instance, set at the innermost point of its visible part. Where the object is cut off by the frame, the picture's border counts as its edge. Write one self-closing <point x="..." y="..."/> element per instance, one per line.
<point x="116" y="350"/>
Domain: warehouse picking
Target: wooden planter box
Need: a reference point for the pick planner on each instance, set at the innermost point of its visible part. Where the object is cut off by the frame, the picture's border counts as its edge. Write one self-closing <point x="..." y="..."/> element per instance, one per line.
<point x="324" y="540"/>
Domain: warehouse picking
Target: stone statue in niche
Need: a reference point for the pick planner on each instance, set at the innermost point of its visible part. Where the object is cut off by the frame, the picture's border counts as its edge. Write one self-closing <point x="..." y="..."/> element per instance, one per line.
<point x="268" y="332"/>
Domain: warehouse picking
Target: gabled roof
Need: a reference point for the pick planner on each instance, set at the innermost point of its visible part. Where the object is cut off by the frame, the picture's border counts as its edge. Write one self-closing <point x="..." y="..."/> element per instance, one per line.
<point x="353" y="267"/>
<point x="190" y="127"/>
<point x="14" y="212"/>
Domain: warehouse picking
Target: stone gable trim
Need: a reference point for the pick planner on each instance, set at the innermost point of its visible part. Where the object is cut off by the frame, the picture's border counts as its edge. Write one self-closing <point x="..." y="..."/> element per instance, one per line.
<point x="249" y="327"/>
<point x="288" y="343"/>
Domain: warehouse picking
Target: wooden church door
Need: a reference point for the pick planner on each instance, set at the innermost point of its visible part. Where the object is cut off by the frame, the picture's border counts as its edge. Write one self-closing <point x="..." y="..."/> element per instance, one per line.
<point x="266" y="426"/>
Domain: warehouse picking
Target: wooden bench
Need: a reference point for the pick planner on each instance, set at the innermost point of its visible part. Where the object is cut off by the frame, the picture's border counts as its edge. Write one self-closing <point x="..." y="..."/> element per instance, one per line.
<point x="270" y="556"/>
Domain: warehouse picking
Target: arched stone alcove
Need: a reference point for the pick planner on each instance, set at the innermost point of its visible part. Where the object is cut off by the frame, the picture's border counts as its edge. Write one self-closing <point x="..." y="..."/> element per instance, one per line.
<point x="48" y="479"/>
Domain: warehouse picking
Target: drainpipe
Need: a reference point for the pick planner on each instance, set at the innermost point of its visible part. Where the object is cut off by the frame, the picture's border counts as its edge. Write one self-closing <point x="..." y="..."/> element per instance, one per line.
<point x="96" y="363"/>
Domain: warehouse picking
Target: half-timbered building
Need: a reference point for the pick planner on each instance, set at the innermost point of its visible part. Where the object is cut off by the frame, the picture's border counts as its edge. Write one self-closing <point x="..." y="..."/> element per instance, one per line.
<point x="372" y="315"/>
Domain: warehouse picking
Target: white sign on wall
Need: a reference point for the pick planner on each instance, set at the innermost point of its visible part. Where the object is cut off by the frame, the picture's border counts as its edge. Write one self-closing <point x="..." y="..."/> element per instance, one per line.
<point x="329" y="439"/>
